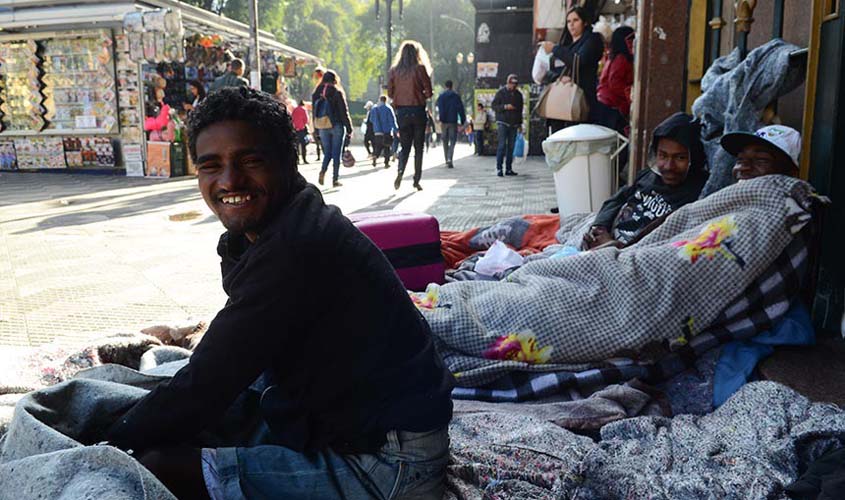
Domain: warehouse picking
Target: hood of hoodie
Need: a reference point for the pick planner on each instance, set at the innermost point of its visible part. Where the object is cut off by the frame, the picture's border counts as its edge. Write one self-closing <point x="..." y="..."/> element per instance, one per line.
<point x="683" y="129"/>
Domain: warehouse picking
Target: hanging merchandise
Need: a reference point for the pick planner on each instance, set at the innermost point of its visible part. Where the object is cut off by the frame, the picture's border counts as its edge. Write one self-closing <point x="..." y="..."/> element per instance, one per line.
<point x="133" y="22"/>
<point x="149" y="39"/>
<point x="79" y="83"/>
<point x="136" y="46"/>
<point x="161" y="53"/>
<point x="21" y="98"/>
<point x="154" y="20"/>
<point x="290" y="67"/>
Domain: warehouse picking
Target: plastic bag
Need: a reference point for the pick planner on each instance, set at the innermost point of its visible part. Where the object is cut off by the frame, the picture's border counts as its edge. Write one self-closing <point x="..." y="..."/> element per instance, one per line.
<point x="364" y="127"/>
<point x="497" y="259"/>
<point x="542" y="64"/>
<point x="519" y="146"/>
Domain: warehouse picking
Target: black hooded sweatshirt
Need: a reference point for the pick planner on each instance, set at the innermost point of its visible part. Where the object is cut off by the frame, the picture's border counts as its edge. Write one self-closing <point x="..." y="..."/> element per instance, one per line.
<point x="634" y="207"/>
<point x="315" y="307"/>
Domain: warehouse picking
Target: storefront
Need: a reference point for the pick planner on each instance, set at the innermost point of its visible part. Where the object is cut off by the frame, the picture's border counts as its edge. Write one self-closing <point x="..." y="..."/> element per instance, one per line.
<point x="78" y="82"/>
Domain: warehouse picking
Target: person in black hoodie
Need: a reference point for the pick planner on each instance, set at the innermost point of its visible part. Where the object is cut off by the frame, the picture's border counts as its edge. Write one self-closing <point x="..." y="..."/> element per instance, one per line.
<point x="319" y="360"/>
<point x="676" y="178"/>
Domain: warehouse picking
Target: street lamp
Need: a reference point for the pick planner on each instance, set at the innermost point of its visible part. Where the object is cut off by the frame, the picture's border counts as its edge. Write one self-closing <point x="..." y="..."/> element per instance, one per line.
<point x="389" y="31"/>
<point x="459" y="21"/>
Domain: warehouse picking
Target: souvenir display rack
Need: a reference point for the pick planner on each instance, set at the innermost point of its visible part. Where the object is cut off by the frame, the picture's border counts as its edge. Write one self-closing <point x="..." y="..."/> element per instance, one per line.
<point x="21" y="97"/>
<point x="59" y="84"/>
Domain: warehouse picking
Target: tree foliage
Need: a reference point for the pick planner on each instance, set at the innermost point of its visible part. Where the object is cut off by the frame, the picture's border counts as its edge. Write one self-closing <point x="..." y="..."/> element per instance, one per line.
<point x="349" y="38"/>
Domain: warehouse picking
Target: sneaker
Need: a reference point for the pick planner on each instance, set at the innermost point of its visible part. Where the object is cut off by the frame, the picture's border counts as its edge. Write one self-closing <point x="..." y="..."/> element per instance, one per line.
<point x="499" y="173"/>
<point x="511" y="172"/>
<point x="336" y="184"/>
<point x="397" y="182"/>
<point x="322" y="178"/>
<point x="417" y="186"/>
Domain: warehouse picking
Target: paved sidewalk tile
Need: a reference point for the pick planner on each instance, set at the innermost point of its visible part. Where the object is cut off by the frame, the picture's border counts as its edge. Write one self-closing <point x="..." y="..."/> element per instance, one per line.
<point x="87" y="255"/>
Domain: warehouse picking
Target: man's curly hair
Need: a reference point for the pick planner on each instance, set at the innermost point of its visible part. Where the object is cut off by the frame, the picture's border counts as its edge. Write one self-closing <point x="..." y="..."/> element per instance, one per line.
<point x="259" y="109"/>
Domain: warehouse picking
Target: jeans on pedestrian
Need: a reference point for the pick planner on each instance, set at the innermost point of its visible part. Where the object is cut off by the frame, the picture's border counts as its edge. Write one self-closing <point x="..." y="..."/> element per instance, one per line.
<point x="507" y="141"/>
<point x="410" y="465"/>
<point x="332" y="139"/>
<point x="300" y="139"/>
<point x="382" y="144"/>
<point x="479" y="142"/>
<point x="411" y="132"/>
<point x="450" y="137"/>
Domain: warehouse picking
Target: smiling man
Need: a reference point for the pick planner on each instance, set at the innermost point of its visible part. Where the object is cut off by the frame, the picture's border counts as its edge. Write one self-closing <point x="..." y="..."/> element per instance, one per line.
<point x="319" y="358"/>
<point x="676" y="178"/>
<point x="771" y="150"/>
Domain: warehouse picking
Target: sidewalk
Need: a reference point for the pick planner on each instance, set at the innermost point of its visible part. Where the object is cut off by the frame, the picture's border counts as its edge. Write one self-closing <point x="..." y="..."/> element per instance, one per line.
<point x="84" y="255"/>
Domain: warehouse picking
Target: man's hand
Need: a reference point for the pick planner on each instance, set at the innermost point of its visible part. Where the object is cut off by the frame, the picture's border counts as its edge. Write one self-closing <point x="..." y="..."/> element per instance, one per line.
<point x="598" y="235"/>
<point x="548" y="46"/>
<point x="509" y="106"/>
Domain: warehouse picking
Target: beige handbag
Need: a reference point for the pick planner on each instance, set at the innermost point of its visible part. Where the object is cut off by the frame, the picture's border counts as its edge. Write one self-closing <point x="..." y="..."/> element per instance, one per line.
<point x="563" y="99"/>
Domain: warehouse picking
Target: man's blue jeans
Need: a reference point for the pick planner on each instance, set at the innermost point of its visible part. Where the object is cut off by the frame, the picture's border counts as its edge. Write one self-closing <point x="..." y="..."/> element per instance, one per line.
<point x="450" y="137"/>
<point x="411" y="465"/>
<point x="332" y="139"/>
<point x="507" y="140"/>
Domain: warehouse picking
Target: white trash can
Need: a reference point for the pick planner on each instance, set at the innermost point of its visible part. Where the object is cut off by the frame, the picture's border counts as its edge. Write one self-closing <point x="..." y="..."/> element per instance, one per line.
<point x="581" y="158"/>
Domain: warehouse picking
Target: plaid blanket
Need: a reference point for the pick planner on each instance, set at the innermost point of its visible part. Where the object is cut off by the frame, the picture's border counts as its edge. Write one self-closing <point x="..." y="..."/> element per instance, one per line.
<point x="608" y="315"/>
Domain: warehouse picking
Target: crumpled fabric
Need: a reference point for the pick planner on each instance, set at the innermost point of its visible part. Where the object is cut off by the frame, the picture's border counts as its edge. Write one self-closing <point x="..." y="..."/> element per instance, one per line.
<point x="734" y="95"/>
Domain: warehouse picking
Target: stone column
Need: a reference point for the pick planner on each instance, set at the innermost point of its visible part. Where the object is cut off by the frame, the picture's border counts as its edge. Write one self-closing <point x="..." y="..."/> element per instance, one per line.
<point x="659" y="84"/>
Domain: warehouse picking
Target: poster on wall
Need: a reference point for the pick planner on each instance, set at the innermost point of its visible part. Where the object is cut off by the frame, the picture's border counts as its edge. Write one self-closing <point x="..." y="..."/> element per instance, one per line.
<point x="487" y="69"/>
<point x="158" y="159"/>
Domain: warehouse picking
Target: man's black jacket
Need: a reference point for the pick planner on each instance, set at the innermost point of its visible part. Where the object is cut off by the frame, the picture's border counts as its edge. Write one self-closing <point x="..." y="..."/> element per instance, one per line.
<point x="315" y="307"/>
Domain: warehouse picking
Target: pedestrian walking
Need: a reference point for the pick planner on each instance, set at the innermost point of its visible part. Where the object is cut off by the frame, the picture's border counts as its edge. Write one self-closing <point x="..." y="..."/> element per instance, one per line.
<point x="331" y="118"/>
<point x="299" y="117"/>
<point x="507" y="104"/>
<point x="452" y="113"/>
<point x="429" y="130"/>
<point x="233" y="78"/>
<point x="480" y="123"/>
<point x="409" y="85"/>
<point x="384" y="126"/>
<point x="368" y="129"/>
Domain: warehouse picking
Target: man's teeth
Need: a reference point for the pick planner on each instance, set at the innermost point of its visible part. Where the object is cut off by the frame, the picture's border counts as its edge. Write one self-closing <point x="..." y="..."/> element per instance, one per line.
<point x="234" y="200"/>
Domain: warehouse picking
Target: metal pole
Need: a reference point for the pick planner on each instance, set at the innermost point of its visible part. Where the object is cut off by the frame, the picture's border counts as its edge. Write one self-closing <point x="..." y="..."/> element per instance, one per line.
<point x="777" y="28"/>
<point x="389" y="4"/>
<point x="716" y="24"/>
<point x="255" y="51"/>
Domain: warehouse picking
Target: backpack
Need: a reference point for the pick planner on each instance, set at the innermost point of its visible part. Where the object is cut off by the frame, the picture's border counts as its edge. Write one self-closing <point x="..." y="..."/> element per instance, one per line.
<point x="322" y="111"/>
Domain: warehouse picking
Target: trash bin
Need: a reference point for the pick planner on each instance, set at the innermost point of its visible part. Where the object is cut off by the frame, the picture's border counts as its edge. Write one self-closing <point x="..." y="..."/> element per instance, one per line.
<point x="581" y="158"/>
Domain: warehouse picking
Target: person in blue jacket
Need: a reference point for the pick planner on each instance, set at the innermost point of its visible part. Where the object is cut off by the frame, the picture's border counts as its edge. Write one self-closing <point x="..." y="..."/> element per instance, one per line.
<point x="384" y="126"/>
<point x="451" y="114"/>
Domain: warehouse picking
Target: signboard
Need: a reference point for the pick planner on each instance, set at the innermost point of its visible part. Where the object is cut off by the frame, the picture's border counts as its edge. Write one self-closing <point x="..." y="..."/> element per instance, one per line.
<point x="158" y="159"/>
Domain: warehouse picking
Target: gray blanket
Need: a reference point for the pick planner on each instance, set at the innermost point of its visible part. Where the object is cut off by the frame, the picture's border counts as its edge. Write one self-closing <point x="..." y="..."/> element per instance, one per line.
<point x="576" y="312"/>
<point x="734" y="95"/>
<point x="750" y="448"/>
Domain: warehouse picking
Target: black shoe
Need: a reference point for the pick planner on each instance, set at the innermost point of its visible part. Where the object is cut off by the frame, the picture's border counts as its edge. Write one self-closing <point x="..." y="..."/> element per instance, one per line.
<point x="499" y="173"/>
<point x="449" y="165"/>
<point x="304" y="161"/>
<point x="511" y="172"/>
<point x="336" y="184"/>
<point x="417" y="185"/>
<point x="397" y="182"/>
<point x="322" y="178"/>
<point x="554" y="210"/>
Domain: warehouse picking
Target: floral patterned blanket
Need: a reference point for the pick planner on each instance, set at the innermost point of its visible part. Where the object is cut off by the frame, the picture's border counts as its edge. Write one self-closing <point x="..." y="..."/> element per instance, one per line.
<point x="578" y="312"/>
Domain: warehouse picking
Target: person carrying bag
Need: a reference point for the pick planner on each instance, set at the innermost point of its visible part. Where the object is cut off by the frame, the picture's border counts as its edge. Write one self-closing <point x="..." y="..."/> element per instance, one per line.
<point x="563" y="99"/>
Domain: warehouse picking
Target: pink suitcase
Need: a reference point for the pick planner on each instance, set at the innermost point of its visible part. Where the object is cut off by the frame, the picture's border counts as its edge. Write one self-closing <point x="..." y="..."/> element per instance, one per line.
<point x="411" y="242"/>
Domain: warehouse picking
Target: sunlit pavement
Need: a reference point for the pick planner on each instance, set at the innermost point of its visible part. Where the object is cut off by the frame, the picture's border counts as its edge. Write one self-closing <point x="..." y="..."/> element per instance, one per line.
<point x="86" y="255"/>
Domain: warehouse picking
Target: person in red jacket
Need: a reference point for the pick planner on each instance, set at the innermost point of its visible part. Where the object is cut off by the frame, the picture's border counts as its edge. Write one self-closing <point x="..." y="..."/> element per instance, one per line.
<point x="299" y="117"/>
<point x="617" y="78"/>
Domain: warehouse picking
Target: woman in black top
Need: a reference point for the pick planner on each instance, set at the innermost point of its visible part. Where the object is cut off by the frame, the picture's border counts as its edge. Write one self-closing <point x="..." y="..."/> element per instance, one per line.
<point x="578" y="39"/>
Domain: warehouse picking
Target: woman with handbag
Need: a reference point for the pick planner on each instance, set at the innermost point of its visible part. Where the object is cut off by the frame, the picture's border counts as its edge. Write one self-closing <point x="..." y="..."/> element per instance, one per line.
<point x="409" y="85"/>
<point x="578" y="55"/>
<point x="331" y="118"/>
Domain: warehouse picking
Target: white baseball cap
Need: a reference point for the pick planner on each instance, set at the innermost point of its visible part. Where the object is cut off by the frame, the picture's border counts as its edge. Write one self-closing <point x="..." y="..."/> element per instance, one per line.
<point x="785" y="139"/>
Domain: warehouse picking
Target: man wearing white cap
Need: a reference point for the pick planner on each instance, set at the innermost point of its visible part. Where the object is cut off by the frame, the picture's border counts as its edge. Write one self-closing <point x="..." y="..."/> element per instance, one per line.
<point x="771" y="150"/>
